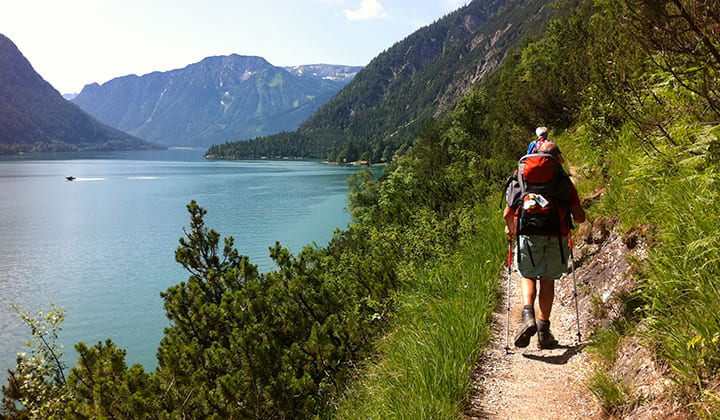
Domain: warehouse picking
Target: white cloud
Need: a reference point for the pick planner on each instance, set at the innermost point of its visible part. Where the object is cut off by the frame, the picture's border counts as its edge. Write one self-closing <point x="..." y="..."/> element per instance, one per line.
<point x="369" y="9"/>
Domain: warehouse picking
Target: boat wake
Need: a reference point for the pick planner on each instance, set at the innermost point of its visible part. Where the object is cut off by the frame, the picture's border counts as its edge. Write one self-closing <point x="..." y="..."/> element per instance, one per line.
<point x="89" y="179"/>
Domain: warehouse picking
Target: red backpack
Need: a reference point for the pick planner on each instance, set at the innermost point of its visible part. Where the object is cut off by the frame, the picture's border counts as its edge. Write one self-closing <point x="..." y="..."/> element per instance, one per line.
<point x="539" y="192"/>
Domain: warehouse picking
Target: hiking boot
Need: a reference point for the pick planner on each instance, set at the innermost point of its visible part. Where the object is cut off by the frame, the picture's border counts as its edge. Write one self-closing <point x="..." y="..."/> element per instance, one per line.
<point x="528" y="328"/>
<point x="545" y="338"/>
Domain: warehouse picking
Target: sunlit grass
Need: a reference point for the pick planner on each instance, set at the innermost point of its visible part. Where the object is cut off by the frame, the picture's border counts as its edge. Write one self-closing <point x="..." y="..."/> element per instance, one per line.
<point x="678" y="197"/>
<point x="424" y="364"/>
<point x="614" y="395"/>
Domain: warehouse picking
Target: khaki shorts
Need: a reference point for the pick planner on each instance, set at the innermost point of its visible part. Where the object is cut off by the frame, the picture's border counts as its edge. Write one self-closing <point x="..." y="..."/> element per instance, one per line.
<point x="541" y="256"/>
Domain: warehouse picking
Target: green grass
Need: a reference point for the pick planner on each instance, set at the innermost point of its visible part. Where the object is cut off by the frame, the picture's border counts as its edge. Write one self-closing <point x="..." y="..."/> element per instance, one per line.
<point x="604" y="345"/>
<point x="677" y="196"/>
<point x="424" y="364"/>
<point x="614" y="395"/>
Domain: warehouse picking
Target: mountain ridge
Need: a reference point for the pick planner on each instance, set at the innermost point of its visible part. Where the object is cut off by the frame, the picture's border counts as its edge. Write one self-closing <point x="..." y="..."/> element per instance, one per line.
<point x="326" y="71"/>
<point x="420" y="77"/>
<point x="218" y="99"/>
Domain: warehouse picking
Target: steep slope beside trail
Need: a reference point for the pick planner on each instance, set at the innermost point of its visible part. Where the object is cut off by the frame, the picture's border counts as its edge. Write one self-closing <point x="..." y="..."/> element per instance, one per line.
<point x="549" y="384"/>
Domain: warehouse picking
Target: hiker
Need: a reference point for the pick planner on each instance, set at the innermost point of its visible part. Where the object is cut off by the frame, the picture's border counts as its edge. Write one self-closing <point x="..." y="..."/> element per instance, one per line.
<point x="541" y="133"/>
<point x="542" y="243"/>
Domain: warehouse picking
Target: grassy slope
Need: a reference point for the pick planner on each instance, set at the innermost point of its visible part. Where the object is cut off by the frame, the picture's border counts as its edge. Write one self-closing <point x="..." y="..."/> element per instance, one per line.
<point x="423" y="365"/>
<point x="673" y="198"/>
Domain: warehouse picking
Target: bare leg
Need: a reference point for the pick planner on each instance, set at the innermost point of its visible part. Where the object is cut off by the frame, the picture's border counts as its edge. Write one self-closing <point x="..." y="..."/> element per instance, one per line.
<point x="547" y="295"/>
<point x="528" y="291"/>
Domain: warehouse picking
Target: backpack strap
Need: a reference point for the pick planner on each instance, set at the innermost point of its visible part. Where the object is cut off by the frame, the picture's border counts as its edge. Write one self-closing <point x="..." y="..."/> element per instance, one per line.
<point x="508" y="199"/>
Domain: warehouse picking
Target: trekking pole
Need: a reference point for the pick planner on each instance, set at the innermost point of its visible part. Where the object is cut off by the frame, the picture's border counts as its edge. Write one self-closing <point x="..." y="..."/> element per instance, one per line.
<point x="572" y="267"/>
<point x="507" y="324"/>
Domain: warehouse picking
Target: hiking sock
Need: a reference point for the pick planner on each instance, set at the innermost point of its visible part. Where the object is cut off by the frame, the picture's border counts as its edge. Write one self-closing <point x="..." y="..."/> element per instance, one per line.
<point x="543" y="325"/>
<point x="528" y="327"/>
<point x="545" y="338"/>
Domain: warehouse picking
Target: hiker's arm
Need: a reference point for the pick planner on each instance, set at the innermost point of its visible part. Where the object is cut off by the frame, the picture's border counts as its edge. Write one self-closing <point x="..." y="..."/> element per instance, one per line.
<point x="578" y="213"/>
<point x="509" y="216"/>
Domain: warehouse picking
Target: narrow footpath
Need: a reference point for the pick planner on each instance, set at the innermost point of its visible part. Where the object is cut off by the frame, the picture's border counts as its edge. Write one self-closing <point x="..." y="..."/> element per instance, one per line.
<point x="549" y="384"/>
<point x="530" y="383"/>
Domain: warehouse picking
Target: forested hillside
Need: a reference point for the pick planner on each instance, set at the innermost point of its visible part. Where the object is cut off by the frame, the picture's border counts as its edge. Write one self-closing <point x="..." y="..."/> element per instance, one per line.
<point x="383" y="108"/>
<point x="388" y="320"/>
<point x="34" y="117"/>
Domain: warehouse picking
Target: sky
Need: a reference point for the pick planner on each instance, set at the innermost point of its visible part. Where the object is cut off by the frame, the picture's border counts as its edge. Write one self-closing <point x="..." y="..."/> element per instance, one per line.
<point x="71" y="43"/>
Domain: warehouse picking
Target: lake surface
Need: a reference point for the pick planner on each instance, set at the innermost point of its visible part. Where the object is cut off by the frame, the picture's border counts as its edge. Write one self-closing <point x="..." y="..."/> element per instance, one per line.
<point x="102" y="246"/>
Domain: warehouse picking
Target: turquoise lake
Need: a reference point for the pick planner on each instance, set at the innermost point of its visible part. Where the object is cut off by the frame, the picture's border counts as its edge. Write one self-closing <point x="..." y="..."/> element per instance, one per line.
<point x="102" y="246"/>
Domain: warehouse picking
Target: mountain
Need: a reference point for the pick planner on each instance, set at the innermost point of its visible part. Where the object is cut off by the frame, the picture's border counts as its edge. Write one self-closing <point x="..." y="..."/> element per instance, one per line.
<point x="219" y="99"/>
<point x="422" y="76"/>
<point x="326" y="71"/>
<point x="34" y="117"/>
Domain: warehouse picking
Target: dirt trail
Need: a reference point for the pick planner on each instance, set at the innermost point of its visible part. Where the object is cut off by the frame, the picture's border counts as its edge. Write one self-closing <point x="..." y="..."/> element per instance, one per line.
<point x="530" y="383"/>
<point x="548" y="384"/>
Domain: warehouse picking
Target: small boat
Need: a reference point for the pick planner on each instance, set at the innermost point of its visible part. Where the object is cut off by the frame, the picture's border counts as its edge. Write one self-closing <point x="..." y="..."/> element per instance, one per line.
<point x="70" y="178"/>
